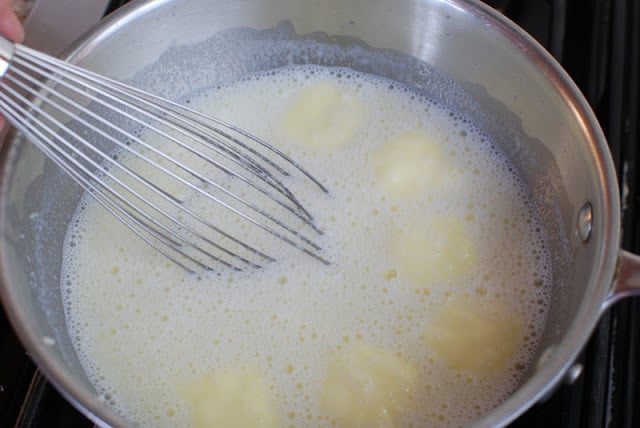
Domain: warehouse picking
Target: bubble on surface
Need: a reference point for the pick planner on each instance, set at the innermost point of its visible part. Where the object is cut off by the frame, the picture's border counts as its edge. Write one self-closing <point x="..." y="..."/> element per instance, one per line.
<point x="143" y="327"/>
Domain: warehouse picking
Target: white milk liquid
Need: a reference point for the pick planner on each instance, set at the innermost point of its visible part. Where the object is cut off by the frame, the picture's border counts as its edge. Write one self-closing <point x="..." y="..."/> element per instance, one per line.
<point x="145" y="330"/>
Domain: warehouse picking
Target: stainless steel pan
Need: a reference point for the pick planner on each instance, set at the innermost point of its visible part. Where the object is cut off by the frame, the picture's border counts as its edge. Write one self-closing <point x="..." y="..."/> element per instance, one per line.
<point x="464" y="54"/>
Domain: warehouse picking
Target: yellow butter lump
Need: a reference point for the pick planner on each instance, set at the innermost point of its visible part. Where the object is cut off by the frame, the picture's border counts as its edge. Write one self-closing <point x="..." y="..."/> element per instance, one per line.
<point x="323" y="115"/>
<point x="479" y="337"/>
<point x="368" y="386"/>
<point x="429" y="251"/>
<point x="232" y="398"/>
<point x="411" y="164"/>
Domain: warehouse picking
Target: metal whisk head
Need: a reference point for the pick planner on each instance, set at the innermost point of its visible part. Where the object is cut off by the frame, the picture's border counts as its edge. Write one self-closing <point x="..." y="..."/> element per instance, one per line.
<point x="179" y="163"/>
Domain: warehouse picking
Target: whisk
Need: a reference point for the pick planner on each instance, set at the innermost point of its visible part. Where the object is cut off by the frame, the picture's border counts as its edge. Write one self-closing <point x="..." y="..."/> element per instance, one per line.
<point x="177" y="160"/>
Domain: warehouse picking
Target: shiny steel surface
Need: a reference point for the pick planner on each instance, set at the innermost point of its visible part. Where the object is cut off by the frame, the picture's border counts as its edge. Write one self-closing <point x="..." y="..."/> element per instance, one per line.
<point x="52" y="25"/>
<point x="510" y="86"/>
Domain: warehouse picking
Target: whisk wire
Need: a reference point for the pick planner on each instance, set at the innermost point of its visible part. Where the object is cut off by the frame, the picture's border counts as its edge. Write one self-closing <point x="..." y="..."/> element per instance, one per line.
<point x="62" y="101"/>
<point x="53" y="150"/>
<point x="165" y="170"/>
<point x="129" y="116"/>
<point x="180" y="109"/>
<point x="139" y="102"/>
<point x="181" y="118"/>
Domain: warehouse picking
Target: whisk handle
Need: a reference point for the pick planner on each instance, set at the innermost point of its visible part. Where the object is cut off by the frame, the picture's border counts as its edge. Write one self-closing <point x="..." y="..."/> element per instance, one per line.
<point x="7" y="47"/>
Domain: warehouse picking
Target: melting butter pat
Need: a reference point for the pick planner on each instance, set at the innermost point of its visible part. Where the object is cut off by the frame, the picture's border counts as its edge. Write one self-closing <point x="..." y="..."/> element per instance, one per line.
<point x="411" y="164"/>
<point x="480" y="338"/>
<point x="232" y="398"/>
<point x="368" y="386"/>
<point x="429" y="251"/>
<point x="322" y="115"/>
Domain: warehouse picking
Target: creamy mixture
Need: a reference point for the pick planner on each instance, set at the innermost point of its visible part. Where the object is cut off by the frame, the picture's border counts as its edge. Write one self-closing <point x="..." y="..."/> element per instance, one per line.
<point x="427" y="316"/>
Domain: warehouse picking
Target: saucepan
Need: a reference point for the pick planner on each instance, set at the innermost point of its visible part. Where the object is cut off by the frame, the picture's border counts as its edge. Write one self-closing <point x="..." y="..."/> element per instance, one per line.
<point x="501" y="78"/>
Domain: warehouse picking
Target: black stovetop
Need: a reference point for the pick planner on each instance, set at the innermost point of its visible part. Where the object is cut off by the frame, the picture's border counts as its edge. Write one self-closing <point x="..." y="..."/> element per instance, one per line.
<point x="598" y="43"/>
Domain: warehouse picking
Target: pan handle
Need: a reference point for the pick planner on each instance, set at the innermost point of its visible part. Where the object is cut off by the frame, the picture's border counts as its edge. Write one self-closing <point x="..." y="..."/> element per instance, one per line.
<point x="627" y="281"/>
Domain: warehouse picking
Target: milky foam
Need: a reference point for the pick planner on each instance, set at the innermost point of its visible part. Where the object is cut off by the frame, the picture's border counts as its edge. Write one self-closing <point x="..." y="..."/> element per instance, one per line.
<point x="143" y="328"/>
